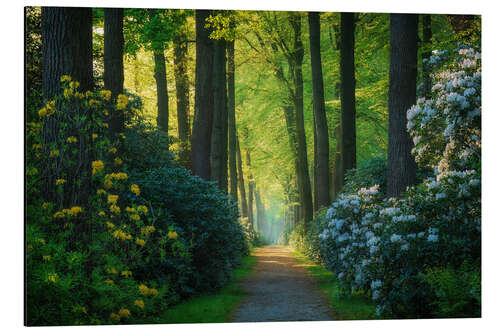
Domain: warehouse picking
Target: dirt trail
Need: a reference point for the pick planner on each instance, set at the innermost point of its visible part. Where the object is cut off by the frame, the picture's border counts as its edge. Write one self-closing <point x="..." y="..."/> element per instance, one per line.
<point x="280" y="290"/>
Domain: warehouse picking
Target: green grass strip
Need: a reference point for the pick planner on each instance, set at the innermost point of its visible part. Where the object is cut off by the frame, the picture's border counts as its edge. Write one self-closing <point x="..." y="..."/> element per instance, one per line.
<point x="215" y="307"/>
<point x="344" y="307"/>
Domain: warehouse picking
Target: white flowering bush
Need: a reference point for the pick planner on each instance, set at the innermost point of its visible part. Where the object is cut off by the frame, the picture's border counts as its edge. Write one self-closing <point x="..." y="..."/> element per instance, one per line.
<point x="399" y="250"/>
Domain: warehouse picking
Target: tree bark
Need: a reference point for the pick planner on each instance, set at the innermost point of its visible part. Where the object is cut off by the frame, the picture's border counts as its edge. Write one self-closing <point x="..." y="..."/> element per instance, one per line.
<point x="402" y="95"/>
<point x="338" y="174"/>
<point x="321" y="145"/>
<point x="113" y="62"/>
<point x="182" y="85"/>
<point x="426" y="53"/>
<point x="251" y="188"/>
<point x="347" y="92"/>
<point x="161" y="90"/>
<point x="204" y="107"/>
<point x="304" y="182"/>
<point x="241" y="181"/>
<point x="233" y="174"/>
<point x="218" y="150"/>
<point x="66" y="47"/>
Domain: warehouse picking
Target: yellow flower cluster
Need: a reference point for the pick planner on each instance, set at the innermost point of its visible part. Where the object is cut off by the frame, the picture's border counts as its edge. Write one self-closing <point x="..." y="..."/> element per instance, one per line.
<point x="135" y="217"/>
<point x="108" y="183"/>
<point x="139" y="303"/>
<point x="121" y="102"/>
<point x="79" y="308"/>
<point x="135" y="189"/>
<point x="111" y="271"/>
<point x="97" y="166"/>
<point x="114" y="316"/>
<point x="37" y="146"/>
<point x="101" y="191"/>
<point x="72" y="139"/>
<point x="114" y="209"/>
<point x="119" y="176"/>
<point x="54" y="153"/>
<point x="113" y="150"/>
<point x="142" y="209"/>
<point x="112" y="198"/>
<point x="140" y="242"/>
<point x="48" y="109"/>
<point x="75" y="210"/>
<point x="101" y="213"/>
<point x="45" y="205"/>
<point x="60" y="181"/>
<point x="58" y="215"/>
<point x="65" y="78"/>
<point x="118" y="161"/>
<point x="172" y="235"/>
<point x="147" y="230"/>
<point x="127" y="274"/>
<point x="94" y="136"/>
<point x="109" y="281"/>
<point x="110" y="225"/>
<point x="105" y="125"/>
<point x="74" y="84"/>
<point x="124" y="313"/>
<point x="52" y="277"/>
<point x="46" y="258"/>
<point x="93" y="102"/>
<point x="106" y="94"/>
<point x="144" y="290"/>
<point x="121" y="235"/>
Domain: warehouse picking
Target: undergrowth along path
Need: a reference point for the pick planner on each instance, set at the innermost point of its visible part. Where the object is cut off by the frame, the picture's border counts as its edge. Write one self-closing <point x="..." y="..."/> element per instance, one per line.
<point x="280" y="290"/>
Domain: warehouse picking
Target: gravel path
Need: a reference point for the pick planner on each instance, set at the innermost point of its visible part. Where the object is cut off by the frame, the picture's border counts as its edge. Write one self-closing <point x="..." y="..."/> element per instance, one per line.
<point x="280" y="290"/>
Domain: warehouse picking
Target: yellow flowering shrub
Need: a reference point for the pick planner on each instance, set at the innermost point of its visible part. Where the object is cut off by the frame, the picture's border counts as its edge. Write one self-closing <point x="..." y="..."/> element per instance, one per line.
<point x="112" y="198"/>
<point x="135" y="189"/>
<point x="139" y="303"/>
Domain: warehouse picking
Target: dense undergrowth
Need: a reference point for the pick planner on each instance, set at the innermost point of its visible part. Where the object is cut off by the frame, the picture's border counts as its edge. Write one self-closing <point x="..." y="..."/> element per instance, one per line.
<point x="117" y="231"/>
<point x="419" y="255"/>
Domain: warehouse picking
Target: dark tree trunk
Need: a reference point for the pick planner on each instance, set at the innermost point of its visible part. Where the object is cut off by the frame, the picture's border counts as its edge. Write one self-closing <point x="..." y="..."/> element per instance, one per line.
<point x="204" y="103"/>
<point x="233" y="180"/>
<point x="218" y="151"/>
<point x="426" y="53"/>
<point x="321" y="140"/>
<point x="304" y="182"/>
<point x="113" y="62"/>
<point x="402" y="95"/>
<point x="338" y="174"/>
<point x="182" y="85"/>
<point x="251" y="190"/>
<point x="347" y="92"/>
<point x="161" y="90"/>
<point x="66" y="50"/>
<point x="241" y="181"/>
<point x="66" y="47"/>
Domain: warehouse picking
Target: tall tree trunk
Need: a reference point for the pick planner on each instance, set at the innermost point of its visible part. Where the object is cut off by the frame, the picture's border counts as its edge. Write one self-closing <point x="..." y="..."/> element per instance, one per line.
<point x="338" y="174"/>
<point x="241" y="181"/>
<point x="218" y="151"/>
<point x="251" y="190"/>
<point x="233" y="180"/>
<point x="113" y="62"/>
<point x="304" y="182"/>
<point x="402" y="95"/>
<point x="321" y="146"/>
<point x="426" y="53"/>
<point x="66" y="47"/>
<point x="204" y="103"/>
<point x="182" y="84"/>
<point x="66" y="50"/>
<point x="347" y="92"/>
<point x="161" y="90"/>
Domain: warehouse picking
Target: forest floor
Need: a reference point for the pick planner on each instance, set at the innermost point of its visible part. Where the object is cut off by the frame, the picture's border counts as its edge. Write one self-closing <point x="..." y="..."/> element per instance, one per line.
<point x="280" y="289"/>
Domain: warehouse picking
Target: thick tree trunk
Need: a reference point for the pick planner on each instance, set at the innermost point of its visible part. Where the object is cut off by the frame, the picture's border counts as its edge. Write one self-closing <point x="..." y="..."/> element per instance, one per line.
<point x="113" y="62"/>
<point x="321" y="140"/>
<point x="402" y="95"/>
<point x="251" y="190"/>
<point x="347" y="92"/>
<point x="218" y="151"/>
<point x="66" y="50"/>
<point x="426" y="53"/>
<point x="241" y="181"/>
<point x="182" y="85"/>
<point x="66" y="47"/>
<point x="233" y="180"/>
<point x="304" y="181"/>
<point x="338" y="174"/>
<point x="204" y="103"/>
<point x="161" y="90"/>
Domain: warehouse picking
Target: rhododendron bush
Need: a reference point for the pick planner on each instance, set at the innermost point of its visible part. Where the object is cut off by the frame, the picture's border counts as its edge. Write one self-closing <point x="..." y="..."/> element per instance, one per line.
<point x="396" y="249"/>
